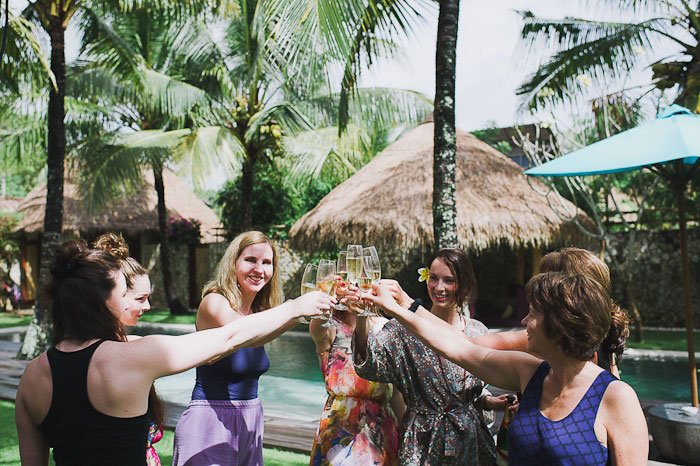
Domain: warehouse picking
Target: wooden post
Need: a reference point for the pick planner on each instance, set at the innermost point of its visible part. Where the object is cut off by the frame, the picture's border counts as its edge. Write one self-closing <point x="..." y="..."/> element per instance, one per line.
<point x="686" y="296"/>
<point x="536" y="259"/>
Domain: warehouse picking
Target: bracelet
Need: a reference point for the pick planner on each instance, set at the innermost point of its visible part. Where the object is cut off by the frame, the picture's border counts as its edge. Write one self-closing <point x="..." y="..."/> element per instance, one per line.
<point x="414" y="305"/>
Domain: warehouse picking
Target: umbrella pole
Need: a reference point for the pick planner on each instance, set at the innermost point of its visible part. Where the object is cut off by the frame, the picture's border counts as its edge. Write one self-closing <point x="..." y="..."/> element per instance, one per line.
<point x="686" y="299"/>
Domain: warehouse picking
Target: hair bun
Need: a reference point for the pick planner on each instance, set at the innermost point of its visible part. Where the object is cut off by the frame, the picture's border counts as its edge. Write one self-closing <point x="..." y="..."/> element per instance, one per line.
<point x="64" y="260"/>
<point x="113" y="244"/>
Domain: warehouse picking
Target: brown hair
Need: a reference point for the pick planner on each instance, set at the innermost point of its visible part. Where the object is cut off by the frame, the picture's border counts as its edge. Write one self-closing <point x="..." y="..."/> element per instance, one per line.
<point x="226" y="282"/>
<point x="82" y="280"/>
<point x="461" y="267"/>
<point x="116" y="246"/>
<point x="576" y="311"/>
<point x="581" y="261"/>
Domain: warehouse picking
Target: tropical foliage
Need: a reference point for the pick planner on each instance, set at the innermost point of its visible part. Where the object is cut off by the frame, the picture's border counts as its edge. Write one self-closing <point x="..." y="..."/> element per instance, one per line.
<point x="590" y="52"/>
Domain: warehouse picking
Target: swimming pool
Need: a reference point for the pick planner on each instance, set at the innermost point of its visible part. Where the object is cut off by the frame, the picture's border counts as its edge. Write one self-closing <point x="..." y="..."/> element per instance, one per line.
<point x="293" y="387"/>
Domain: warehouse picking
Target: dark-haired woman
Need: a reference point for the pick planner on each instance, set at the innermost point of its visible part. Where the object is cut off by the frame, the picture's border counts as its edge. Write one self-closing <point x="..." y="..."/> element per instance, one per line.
<point x="572" y="412"/>
<point x="444" y="422"/>
<point x="138" y="291"/>
<point x="87" y="397"/>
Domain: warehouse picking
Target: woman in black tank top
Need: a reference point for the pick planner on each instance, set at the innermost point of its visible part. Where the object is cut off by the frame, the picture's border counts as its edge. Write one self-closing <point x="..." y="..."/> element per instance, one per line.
<point x="88" y="396"/>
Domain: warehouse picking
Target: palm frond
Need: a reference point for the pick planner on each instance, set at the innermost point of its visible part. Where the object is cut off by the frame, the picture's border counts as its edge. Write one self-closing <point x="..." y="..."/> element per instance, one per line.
<point x="602" y="51"/>
<point x="207" y="150"/>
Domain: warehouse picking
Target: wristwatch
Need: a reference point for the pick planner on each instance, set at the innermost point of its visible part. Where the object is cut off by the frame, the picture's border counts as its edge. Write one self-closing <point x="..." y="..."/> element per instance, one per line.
<point x="414" y="305"/>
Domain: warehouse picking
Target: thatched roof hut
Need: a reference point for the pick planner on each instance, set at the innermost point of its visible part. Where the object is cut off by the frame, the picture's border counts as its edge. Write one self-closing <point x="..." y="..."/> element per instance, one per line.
<point x="388" y="202"/>
<point x="133" y="215"/>
<point x="9" y="204"/>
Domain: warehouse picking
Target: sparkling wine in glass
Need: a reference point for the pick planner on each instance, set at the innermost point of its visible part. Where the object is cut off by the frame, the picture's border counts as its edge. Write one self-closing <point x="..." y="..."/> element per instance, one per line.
<point x="308" y="284"/>
<point x="375" y="267"/>
<point x="365" y="283"/>
<point x="326" y="282"/>
<point x="354" y="263"/>
<point x="342" y="270"/>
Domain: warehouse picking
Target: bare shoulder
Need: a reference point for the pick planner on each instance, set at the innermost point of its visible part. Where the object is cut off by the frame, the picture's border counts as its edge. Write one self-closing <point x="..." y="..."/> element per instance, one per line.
<point x="37" y="371"/>
<point x="35" y="388"/>
<point x="620" y="396"/>
<point x="378" y="323"/>
<point x="215" y="311"/>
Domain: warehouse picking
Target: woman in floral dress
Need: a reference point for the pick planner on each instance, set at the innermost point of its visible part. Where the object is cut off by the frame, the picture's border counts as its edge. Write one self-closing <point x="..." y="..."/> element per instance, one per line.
<point x="358" y="425"/>
<point x="447" y="407"/>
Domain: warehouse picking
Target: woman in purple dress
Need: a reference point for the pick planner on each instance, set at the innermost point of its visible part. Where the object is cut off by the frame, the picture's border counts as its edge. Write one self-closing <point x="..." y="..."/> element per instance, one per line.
<point x="224" y="421"/>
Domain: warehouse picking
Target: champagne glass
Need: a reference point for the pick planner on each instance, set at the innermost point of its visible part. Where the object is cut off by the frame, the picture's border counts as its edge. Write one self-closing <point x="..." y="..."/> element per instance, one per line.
<point x="354" y="263"/>
<point x="326" y="282"/>
<point x="368" y="278"/>
<point x="308" y="284"/>
<point x="342" y="271"/>
<point x="375" y="267"/>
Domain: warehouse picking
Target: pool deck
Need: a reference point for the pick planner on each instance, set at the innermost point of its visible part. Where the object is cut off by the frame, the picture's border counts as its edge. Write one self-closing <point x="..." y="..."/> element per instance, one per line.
<point x="289" y="434"/>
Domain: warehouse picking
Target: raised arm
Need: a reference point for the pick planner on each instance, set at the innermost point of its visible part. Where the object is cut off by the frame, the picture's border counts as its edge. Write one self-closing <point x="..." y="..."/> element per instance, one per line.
<point x="215" y="311"/>
<point x="160" y="355"/>
<point x="505" y="369"/>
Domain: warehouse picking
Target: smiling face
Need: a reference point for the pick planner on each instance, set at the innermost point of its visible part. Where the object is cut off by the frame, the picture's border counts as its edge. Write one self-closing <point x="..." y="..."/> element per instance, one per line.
<point x="117" y="303"/>
<point x="442" y="286"/>
<point x="137" y="296"/>
<point x="254" y="267"/>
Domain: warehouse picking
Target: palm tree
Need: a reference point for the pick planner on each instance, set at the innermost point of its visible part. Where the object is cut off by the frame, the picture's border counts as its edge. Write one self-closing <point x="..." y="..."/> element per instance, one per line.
<point x="354" y="31"/>
<point x="198" y="103"/>
<point x="130" y="68"/>
<point x="604" y="52"/>
<point x="54" y="16"/>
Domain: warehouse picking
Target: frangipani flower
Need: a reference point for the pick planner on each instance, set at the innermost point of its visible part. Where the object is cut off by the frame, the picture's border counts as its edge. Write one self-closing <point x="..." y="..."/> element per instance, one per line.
<point x="423" y="274"/>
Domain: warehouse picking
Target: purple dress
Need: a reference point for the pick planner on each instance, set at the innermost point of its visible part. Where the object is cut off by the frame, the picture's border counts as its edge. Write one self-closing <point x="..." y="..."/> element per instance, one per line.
<point x="223" y="423"/>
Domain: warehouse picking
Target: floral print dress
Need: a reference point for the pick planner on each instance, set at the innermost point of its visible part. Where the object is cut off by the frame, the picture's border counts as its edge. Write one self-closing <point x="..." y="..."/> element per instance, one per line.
<point x="444" y="423"/>
<point x="357" y="425"/>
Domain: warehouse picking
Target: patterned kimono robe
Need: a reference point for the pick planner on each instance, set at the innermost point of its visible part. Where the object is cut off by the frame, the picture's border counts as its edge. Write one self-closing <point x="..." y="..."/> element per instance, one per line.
<point x="443" y="424"/>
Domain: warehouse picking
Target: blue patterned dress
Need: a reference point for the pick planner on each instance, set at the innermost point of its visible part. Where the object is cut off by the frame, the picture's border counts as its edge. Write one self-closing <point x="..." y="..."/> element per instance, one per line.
<point x="443" y="424"/>
<point x="533" y="439"/>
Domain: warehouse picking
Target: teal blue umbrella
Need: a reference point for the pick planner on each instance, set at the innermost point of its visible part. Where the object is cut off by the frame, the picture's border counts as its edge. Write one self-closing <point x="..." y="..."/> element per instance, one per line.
<point x="670" y="147"/>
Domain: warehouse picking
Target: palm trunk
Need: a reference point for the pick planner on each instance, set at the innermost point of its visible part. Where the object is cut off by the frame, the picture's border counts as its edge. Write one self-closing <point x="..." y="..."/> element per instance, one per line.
<point x="636" y="316"/>
<point x="247" y="180"/>
<point x="174" y="303"/>
<point x="445" y="136"/>
<point x="37" y="337"/>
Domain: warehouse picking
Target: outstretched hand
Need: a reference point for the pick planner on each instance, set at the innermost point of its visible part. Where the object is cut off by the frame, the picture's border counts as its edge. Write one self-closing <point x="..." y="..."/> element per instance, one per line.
<point x="400" y="296"/>
<point x="314" y="303"/>
<point x="382" y="295"/>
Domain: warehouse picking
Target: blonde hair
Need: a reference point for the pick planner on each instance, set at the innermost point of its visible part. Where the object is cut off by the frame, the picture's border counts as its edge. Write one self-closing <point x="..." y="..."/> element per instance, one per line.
<point x="116" y="246"/>
<point x="226" y="282"/>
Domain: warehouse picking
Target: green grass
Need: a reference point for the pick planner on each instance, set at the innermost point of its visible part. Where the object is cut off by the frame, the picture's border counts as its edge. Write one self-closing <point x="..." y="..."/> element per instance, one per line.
<point x="10" y="320"/>
<point x="664" y="340"/>
<point x="163" y="316"/>
<point x="9" y="449"/>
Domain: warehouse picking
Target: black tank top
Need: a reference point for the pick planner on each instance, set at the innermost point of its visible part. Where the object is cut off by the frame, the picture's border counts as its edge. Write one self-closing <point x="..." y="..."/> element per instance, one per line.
<point x="77" y="432"/>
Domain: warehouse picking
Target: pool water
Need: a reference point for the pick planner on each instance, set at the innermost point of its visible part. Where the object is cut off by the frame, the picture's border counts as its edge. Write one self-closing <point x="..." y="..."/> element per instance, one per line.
<point x="293" y="387"/>
<point x="662" y="380"/>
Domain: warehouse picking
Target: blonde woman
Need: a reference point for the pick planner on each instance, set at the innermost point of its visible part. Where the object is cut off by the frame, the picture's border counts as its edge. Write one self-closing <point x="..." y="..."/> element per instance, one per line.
<point x="224" y="421"/>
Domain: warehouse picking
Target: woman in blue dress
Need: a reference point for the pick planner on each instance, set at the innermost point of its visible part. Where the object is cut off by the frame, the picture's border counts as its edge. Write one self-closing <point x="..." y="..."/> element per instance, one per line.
<point x="572" y="411"/>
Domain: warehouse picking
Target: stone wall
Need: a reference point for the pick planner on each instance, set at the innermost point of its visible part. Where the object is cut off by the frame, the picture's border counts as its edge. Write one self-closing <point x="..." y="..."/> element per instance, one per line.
<point x="657" y="280"/>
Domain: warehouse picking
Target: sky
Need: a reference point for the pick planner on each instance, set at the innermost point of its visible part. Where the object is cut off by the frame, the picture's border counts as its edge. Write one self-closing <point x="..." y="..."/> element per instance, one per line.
<point x="489" y="69"/>
<point x="490" y="66"/>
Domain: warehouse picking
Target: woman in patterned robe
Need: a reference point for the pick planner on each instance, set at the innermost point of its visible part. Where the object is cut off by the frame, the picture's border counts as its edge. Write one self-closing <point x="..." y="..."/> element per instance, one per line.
<point x="445" y="421"/>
